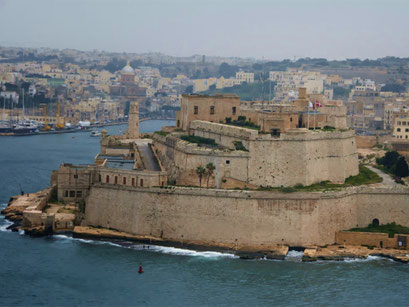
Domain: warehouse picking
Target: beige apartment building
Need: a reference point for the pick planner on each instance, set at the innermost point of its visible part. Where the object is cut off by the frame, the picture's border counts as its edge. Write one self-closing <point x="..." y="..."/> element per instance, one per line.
<point x="401" y="129"/>
<point x="245" y="77"/>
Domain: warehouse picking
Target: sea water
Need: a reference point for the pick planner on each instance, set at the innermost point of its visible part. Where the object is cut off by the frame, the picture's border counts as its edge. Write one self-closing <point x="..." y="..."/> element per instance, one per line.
<point x="64" y="271"/>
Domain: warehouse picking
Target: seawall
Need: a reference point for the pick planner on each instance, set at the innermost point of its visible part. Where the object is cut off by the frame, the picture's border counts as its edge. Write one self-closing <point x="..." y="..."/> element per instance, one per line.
<point x="242" y="218"/>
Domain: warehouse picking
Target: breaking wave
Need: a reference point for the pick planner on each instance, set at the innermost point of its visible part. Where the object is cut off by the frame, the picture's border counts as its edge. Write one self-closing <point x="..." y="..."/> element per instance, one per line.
<point x="152" y="248"/>
<point x="3" y="222"/>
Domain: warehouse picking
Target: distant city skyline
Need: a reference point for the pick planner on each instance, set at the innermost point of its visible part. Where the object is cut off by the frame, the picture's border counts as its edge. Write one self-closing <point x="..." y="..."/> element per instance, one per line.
<point x="273" y="30"/>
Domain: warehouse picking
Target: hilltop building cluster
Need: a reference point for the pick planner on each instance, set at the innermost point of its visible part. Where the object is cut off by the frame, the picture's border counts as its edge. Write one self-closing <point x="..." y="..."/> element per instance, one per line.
<point x="248" y="145"/>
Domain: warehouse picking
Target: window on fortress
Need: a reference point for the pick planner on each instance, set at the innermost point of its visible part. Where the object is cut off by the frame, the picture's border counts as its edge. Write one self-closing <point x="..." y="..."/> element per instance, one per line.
<point x="406" y="130"/>
<point x="75" y="176"/>
<point x="227" y="161"/>
<point x="234" y="110"/>
<point x="124" y="180"/>
<point x="133" y="181"/>
<point x="79" y="194"/>
<point x="116" y="179"/>
<point x="141" y="183"/>
<point x="66" y="193"/>
<point x="99" y="178"/>
<point x="398" y="129"/>
<point x="107" y="180"/>
<point x="196" y="110"/>
<point x="72" y="193"/>
<point x="212" y="110"/>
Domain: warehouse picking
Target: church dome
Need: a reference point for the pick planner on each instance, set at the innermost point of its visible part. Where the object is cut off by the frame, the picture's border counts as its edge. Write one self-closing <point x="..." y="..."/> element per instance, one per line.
<point x="127" y="70"/>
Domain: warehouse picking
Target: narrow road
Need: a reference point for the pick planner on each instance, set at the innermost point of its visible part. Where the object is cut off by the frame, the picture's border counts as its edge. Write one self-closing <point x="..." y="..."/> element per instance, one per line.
<point x="387" y="179"/>
<point x="147" y="156"/>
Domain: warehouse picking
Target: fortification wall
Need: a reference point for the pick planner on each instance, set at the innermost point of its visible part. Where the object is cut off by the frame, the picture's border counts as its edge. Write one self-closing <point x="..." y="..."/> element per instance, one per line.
<point x="366" y="141"/>
<point x="296" y="157"/>
<point x="223" y="135"/>
<point x="242" y="217"/>
<point x="181" y="159"/>
<point x="303" y="158"/>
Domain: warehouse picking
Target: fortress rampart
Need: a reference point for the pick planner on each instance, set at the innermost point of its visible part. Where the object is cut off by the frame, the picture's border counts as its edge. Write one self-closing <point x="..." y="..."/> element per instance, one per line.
<point x="243" y="218"/>
<point x="298" y="156"/>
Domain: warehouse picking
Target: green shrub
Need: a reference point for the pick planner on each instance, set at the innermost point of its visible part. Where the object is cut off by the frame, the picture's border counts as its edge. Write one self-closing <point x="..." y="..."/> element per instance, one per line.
<point x="162" y="133"/>
<point x="287" y="189"/>
<point x="365" y="176"/>
<point x="239" y="146"/>
<point x="243" y="123"/>
<point x="198" y="140"/>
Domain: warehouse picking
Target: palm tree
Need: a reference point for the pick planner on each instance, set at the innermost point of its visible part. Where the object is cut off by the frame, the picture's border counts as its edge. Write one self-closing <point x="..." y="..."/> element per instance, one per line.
<point x="200" y="171"/>
<point x="210" y="169"/>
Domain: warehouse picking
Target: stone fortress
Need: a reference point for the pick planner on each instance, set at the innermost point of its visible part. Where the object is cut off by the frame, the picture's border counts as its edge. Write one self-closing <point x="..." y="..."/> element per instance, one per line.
<point x="148" y="185"/>
<point x="283" y="152"/>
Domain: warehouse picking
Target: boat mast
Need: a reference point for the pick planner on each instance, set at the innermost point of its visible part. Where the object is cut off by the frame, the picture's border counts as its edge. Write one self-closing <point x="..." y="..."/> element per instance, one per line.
<point x="23" y="104"/>
<point x="4" y="108"/>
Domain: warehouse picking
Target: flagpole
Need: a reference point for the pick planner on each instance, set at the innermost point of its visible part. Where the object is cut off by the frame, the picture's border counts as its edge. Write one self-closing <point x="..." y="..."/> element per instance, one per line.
<point x="315" y="111"/>
<point x="308" y="116"/>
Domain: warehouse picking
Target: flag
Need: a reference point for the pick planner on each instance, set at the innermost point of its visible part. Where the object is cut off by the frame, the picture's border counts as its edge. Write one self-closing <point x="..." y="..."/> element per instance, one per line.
<point x="317" y="104"/>
<point x="311" y="105"/>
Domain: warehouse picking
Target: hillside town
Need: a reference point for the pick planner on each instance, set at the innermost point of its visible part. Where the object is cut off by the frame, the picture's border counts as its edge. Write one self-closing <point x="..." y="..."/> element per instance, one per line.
<point x="58" y="88"/>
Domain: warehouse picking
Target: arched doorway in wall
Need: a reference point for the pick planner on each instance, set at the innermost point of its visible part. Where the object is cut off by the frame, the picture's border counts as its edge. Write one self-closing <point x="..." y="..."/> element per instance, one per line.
<point x="375" y="222"/>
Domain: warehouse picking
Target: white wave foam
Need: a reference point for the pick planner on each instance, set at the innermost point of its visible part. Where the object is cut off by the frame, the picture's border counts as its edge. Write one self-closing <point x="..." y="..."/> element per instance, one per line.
<point x="152" y="248"/>
<point x="183" y="252"/>
<point x="294" y="255"/>
<point x="4" y="224"/>
<point x="369" y="258"/>
<point x="96" y="242"/>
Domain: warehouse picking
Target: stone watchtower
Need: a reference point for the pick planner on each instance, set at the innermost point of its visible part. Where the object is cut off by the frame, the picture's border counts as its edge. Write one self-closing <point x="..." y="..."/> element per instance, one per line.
<point x="133" y="123"/>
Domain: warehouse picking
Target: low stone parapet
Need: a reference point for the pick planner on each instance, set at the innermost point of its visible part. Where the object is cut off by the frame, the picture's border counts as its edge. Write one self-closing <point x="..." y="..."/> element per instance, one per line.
<point x="374" y="239"/>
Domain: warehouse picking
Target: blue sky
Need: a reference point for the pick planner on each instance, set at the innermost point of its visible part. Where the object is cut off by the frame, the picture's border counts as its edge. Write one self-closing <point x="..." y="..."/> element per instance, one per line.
<point x="254" y="28"/>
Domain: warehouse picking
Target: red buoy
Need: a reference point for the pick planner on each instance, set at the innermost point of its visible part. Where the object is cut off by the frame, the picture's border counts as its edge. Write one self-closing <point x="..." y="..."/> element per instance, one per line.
<point x="140" y="270"/>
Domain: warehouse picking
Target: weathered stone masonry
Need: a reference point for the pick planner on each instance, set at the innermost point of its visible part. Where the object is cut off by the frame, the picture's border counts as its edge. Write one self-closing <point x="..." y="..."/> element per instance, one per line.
<point x="250" y="218"/>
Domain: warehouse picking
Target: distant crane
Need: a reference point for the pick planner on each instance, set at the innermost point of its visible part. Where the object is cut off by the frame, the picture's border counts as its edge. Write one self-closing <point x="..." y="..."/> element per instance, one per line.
<point x="59" y="125"/>
<point x="45" y="119"/>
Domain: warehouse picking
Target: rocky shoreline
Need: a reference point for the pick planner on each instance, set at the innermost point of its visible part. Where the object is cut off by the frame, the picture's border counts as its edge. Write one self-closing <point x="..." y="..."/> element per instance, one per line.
<point x="273" y="252"/>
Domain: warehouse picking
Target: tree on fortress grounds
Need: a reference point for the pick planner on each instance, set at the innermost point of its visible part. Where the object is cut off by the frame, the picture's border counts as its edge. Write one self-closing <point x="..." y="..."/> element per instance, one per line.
<point x="200" y="171"/>
<point x="210" y="167"/>
<point x="394" y="163"/>
<point x="402" y="169"/>
<point x="389" y="160"/>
